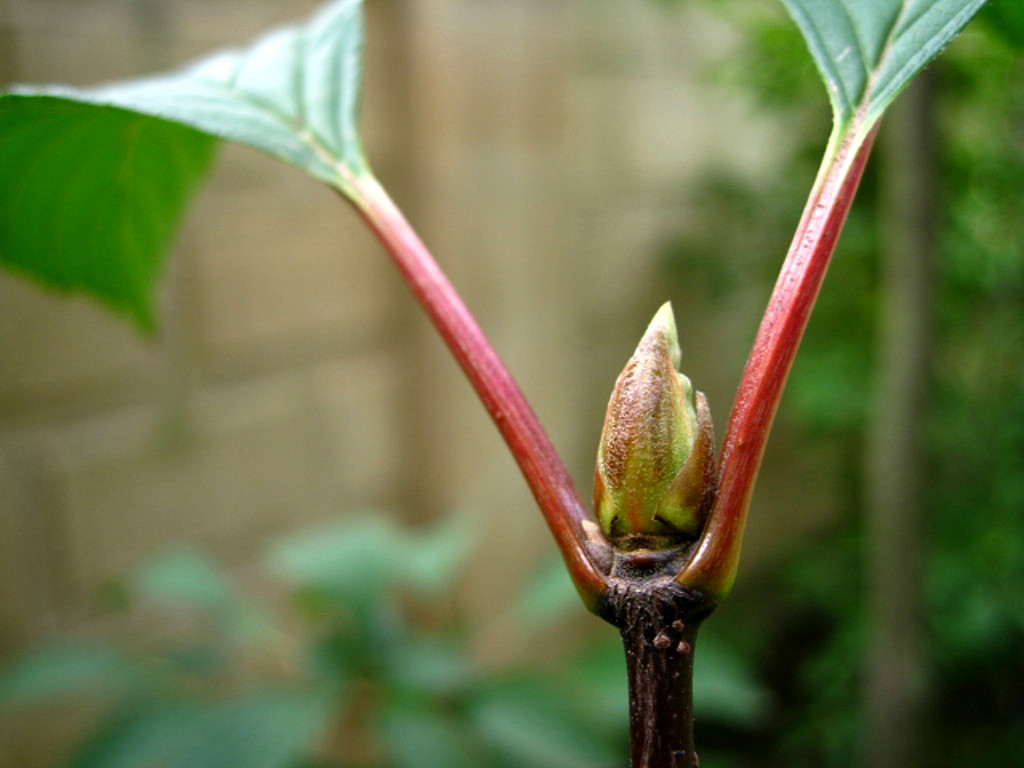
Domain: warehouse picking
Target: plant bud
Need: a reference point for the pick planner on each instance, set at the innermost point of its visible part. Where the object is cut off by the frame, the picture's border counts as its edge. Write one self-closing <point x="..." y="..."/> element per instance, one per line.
<point x="655" y="473"/>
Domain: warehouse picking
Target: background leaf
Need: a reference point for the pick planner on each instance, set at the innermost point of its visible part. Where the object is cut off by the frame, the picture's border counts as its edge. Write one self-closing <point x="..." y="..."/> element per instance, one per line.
<point x="1005" y="19"/>
<point x="63" y="670"/>
<point x="187" y="578"/>
<point x="548" y="596"/>
<point x="421" y="738"/>
<point x="293" y="94"/>
<point x="266" y="729"/>
<point x="868" y="50"/>
<point x="359" y="556"/>
<point x="532" y="724"/>
<point x="141" y="735"/>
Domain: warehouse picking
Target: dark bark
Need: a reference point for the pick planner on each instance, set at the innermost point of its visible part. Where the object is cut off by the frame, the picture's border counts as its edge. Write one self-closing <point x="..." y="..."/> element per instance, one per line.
<point x="658" y="621"/>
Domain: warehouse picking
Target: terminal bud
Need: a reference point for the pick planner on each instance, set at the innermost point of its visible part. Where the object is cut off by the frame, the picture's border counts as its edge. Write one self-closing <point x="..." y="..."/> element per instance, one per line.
<point x="655" y="475"/>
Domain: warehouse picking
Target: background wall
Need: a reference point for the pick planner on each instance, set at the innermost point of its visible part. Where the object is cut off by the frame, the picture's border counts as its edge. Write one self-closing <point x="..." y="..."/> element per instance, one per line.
<point x="539" y="147"/>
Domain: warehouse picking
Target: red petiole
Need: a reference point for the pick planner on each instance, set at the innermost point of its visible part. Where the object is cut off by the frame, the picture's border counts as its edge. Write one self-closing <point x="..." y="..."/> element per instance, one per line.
<point x="543" y="468"/>
<point x="712" y="567"/>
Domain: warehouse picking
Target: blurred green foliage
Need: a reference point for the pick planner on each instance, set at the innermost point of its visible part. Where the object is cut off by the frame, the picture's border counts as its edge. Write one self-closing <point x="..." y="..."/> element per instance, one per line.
<point x="806" y="632"/>
<point x="363" y="664"/>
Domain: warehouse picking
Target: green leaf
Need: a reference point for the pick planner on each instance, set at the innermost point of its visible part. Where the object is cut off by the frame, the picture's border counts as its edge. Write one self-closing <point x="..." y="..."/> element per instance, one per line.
<point x="267" y="729"/>
<point x="138" y="735"/>
<point x="187" y="576"/>
<point x="293" y="94"/>
<point x="190" y="579"/>
<point x="1005" y="19"/>
<point x="351" y="560"/>
<point x="436" y="555"/>
<point x="532" y="724"/>
<point x="65" y="153"/>
<point x="68" y="670"/>
<point x="437" y="666"/>
<point x="417" y="737"/>
<point x="868" y="50"/>
<point x="92" y="196"/>
<point x="725" y="687"/>
<point x="597" y="678"/>
<point x="362" y="555"/>
<point x="549" y="596"/>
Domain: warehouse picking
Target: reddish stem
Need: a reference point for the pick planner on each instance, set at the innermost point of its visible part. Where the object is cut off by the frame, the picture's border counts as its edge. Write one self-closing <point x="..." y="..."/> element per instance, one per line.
<point x="546" y="474"/>
<point x="713" y="566"/>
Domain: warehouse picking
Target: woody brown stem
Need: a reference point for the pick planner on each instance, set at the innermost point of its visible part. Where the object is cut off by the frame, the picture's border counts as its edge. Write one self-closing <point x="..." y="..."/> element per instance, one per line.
<point x="658" y="621"/>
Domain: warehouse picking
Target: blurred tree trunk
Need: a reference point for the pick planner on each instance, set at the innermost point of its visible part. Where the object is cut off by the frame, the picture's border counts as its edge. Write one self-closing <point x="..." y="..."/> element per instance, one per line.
<point x="894" y="495"/>
<point x="8" y="52"/>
